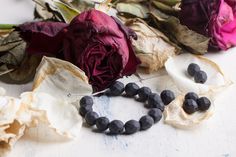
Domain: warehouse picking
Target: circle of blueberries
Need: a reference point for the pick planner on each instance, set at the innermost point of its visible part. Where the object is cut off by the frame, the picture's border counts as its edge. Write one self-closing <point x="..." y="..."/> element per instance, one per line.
<point x="154" y="102"/>
<point x="198" y="75"/>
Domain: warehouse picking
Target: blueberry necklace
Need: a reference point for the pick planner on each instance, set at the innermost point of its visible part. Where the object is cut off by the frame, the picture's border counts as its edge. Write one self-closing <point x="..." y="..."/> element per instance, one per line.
<point x="154" y="102"/>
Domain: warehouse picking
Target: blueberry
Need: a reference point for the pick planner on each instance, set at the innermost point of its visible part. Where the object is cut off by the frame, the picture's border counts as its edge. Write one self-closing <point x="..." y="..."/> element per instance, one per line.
<point x="85" y="109"/>
<point x="144" y="93"/>
<point x="200" y="77"/>
<point x="102" y="123"/>
<point x="203" y="103"/>
<point x="91" y="118"/>
<point x="192" y="69"/>
<point x="154" y="101"/>
<point x="132" y="126"/>
<point x="190" y="106"/>
<point x="167" y="96"/>
<point x="116" y="89"/>
<point x="191" y="95"/>
<point x="146" y="122"/>
<point x="86" y="100"/>
<point x="131" y="89"/>
<point x="116" y="127"/>
<point x="156" y="114"/>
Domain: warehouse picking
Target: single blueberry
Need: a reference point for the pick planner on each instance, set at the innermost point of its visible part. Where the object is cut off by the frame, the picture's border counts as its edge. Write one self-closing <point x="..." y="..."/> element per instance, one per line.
<point x="156" y="114"/>
<point x="167" y="96"/>
<point x="116" y="89"/>
<point x="203" y="103"/>
<point x="153" y="100"/>
<point x="200" y="77"/>
<point x="191" y="95"/>
<point x="116" y="127"/>
<point x="91" y="118"/>
<point x="190" y="106"/>
<point x="131" y="89"/>
<point x="102" y="123"/>
<point x="144" y="93"/>
<point x="146" y="122"/>
<point x="192" y="69"/>
<point x="85" y="101"/>
<point x="85" y="109"/>
<point x="132" y="126"/>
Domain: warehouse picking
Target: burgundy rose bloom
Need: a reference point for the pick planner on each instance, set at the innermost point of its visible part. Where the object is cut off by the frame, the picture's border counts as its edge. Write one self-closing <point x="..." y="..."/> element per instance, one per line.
<point x="213" y="18"/>
<point x="97" y="43"/>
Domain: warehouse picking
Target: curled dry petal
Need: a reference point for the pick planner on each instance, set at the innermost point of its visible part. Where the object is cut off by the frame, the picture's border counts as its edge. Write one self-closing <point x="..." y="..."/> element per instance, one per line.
<point x="177" y="117"/>
<point x="152" y="47"/>
<point x="177" y="69"/>
<point x="11" y="129"/>
<point x="52" y="75"/>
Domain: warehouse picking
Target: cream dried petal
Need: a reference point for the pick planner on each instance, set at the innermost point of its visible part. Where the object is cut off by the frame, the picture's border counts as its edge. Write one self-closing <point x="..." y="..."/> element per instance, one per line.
<point x="8" y="108"/>
<point x="177" y="117"/>
<point x="4" y="136"/>
<point x="58" y="114"/>
<point x="152" y="47"/>
<point x="177" y="66"/>
<point x="10" y="136"/>
<point x="61" y="79"/>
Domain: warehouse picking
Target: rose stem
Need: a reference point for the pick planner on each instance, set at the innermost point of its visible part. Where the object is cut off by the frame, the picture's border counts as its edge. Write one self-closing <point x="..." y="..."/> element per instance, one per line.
<point x="7" y="26"/>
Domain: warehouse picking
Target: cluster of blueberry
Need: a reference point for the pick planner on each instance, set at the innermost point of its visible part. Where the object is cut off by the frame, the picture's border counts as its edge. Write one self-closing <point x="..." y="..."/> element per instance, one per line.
<point x="195" y="71"/>
<point x="155" y="102"/>
<point x="193" y="103"/>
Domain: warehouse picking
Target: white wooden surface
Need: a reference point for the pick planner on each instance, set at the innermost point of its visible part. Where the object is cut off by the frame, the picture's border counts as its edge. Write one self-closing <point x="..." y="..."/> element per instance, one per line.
<point x="214" y="138"/>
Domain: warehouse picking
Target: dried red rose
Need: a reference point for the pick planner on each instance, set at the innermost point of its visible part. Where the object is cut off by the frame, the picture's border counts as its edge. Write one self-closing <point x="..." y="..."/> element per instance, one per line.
<point x="97" y="43"/>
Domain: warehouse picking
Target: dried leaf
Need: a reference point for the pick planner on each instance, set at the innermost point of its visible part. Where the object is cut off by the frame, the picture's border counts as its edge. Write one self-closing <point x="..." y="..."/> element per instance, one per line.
<point x="169" y="2"/>
<point x="106" y="9"/>
<point x="4" y="69"/>
<point x="170" y="6"/>
<point x="132" y="1"/>
<point x="10" y="41"/>
<point x="67" y="12"/>
<point x="194" y="42"/>
<point x="14" y="61"/>
<point x="62" y="11"/>
<point x="82" y="5"/>
<point x="26" y="70"/>
<point x="15" y="55"/>
<point x="41" y="11"/>
<point x="134" y="9"/>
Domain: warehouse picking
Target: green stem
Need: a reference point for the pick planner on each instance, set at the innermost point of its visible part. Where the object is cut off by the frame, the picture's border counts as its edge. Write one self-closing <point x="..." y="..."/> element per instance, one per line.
<point x="7" y="26"/>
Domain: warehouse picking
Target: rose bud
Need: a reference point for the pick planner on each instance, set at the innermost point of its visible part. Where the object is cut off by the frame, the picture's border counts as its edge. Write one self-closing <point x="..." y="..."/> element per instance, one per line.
<point x="213" y="18"/>
<point x="98" y="44"/>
